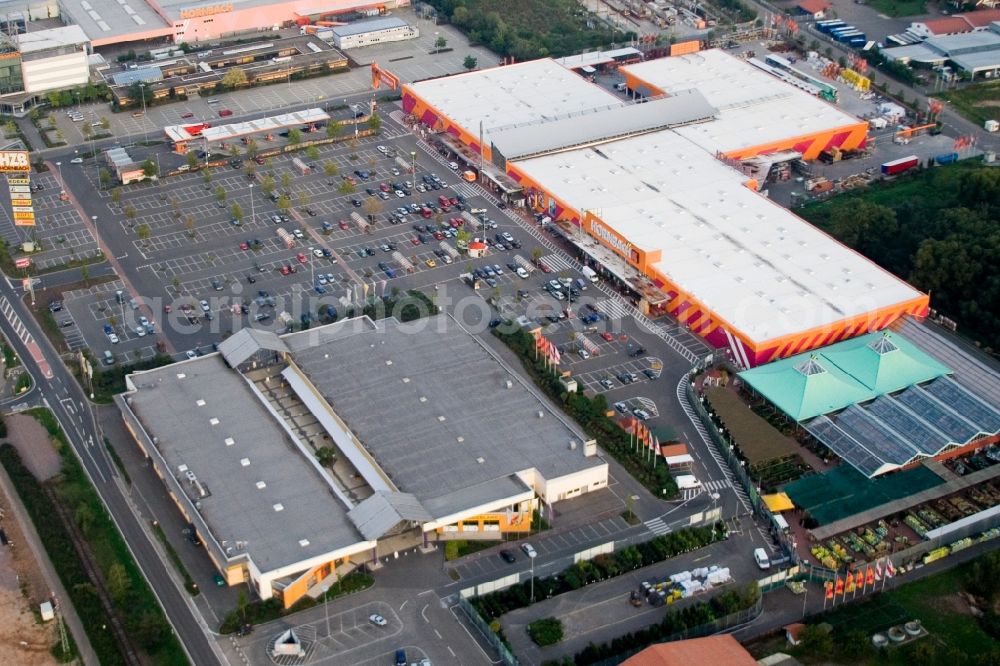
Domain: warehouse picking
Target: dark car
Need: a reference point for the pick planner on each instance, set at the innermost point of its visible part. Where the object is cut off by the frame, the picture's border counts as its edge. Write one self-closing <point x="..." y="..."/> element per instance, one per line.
<point x="508" y="556"/>
<point x="356" y="203"/>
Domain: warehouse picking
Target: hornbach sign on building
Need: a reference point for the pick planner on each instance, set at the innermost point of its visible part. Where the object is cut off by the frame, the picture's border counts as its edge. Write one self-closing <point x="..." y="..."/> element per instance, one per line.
<point x="611" y="238"/>
<point x="14" y="161"/>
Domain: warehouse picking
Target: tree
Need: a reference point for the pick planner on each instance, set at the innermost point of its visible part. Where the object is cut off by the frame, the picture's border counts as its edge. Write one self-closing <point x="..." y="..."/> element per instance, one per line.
<point x="325" y="455"/>
<point x="105" y="123"/>
<point x="374" y="123"/>
<point x="252" y="148"/>
<point x="536" y="254"/>
<point x="149" y="169"/>
<point x="130" y="212"/>
<point x="235" y="77"/>
<point x="237" y="211"/>
<point x="816" y="640"/>
<point x="189" y="225"/>
<point x="346" y="187"/>
<point x="470" y="62"/>
<point x="234" y="151"/>
<point x="312" y="152"/>
<point x="267" y="184"/>
<point x="87" y="131"/>
<point x="333" y="130"/>
<point x="302" y="197"/>
<point x="286" y="180"/>
<point x="250" y="170"/>
<point x="372" y="206"/>
<point x="330" y="169"/>
<point x="294" y="135"/>
<point x="151" y="630"/>
<point x="84" y="517"/>
<point x="142" y="231"/>
<point x="206" y="176"/>
<point x="104" y="176"/>
<point x="119" y="584"/>
<point x="440" y="43"/>
<point x="983" y="578"/>
<point x="192" y="159"/>
<point x="220" y="193"/>
<point x="85" y="274"/>
<point x="284" y="203"/>
<point x="116" y="196"/>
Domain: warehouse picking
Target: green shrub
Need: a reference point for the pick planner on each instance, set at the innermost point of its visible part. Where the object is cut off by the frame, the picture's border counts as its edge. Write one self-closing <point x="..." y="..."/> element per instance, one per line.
<point x="547" y="631"/>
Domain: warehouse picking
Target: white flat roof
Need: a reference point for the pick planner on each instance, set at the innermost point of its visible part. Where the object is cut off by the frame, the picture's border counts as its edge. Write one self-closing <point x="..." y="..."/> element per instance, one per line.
<point x="52" y="38"/>
<point x="754" y="107"/>
<point x="763" y="270"/>
<point x="268" y="124"/>
<point x="512" y="94"/>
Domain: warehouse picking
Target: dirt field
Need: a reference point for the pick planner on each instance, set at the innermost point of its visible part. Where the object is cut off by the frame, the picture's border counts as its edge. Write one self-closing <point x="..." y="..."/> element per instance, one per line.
<point x="32" y="443"/>
<point x="23" y="641"/>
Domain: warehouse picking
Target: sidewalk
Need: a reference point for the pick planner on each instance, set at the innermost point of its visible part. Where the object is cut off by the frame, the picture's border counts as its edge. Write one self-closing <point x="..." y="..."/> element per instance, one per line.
<point x="83" y="646"/>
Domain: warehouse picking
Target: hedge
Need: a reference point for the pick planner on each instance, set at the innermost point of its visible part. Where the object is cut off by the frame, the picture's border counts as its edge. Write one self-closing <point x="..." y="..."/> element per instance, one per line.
<point x="673" y="624"/>
<point x="148" y="628"/>
<point x="591" y="414"/>
<point x="602" y="567"/>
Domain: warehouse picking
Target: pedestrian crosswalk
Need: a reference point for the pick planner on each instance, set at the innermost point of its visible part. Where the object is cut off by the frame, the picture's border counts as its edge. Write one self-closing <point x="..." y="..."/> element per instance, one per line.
<point x="15" y="321"/>
<point x="716" y="485"/>
<point x="466" y="190"/>
<point x="613" y="308"/>
<point x="657" y="526"/>
<point x="557" y="262"/>
<point x="690" y="493"/>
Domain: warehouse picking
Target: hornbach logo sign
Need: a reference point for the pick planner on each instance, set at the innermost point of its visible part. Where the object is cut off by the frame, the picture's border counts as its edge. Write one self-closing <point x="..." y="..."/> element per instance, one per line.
<point x="623" y="247"/>
<point x="14" y="161"/>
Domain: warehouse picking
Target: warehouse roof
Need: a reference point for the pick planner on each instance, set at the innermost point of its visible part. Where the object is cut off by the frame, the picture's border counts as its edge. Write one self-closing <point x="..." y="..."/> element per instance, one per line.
<point x="760" y="268"/>
<point x="512" y="94"/>
<point x="598" y="57"/>
<point x="373" y="25"/>
<point x="439" y="436"/>
<point x="601" y="125"/>
<point x="246" y="342"/>
<point x="103" y="19"/>
<point x="755" y="108"/>
<point x="52" y="38"/>
<point x="262" y="490"/>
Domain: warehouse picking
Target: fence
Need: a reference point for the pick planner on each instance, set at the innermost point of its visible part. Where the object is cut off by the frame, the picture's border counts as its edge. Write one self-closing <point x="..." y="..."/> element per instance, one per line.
<point x="739" y="471"/>
<point x="506" y="656"/>
<point x="708" y="629"/>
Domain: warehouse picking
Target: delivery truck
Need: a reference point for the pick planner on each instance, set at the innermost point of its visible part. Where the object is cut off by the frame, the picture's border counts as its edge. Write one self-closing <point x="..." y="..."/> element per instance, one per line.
<point x="301" y="166"/>
<point x="286" y="238"/>
<point x="899" y="166"/>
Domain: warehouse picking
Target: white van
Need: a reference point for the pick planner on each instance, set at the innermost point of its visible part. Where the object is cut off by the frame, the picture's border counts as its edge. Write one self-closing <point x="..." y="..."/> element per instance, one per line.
<point x="760" y="557"/>
<point x="589" y="273"/>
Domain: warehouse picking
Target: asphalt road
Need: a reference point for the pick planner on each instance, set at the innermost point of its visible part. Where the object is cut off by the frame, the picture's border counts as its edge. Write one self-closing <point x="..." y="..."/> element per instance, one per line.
<point x="63" y="395"/>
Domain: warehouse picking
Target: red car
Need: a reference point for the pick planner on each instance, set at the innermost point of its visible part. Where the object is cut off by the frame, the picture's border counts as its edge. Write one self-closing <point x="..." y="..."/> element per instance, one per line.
<point x="415" y="240"/>
<point x="344" y="225"/>
<point x="545" y="268"/>
<point x="301" y="257"/>
<point x="607" y="336"/>
<point x="285" y="270"/>
<point x="445" y="209"/>
<point x="384" y="187"/>
<point x="453" y="201"/>
<point x="244" y="246"/>
<point x="455" y="222"/>
<point x="259" y="159"/>
<point x="224" y="113"/>
<point x="187" y="115"/>
<point x="438" y="235"/>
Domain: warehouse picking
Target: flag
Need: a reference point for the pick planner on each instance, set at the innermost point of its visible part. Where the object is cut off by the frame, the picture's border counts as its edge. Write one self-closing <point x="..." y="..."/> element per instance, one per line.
<point x="828" y="586"/>
<point x="839" y="585"/>
<point x="850" y="583"/>
<point x="859" y="578"/>
<point x="554" y="354"/>
<point x="869" y="576"/>
<point x="890" y="570"/>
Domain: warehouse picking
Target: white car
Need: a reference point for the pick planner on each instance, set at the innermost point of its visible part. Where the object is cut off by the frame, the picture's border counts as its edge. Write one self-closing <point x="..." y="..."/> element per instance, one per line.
<point x="377" y="620"/>
<point x="76" y="160"/>
<point x="521" y="273"/>
<point x="395" y="171"/>
<point x="382" y="149"/>
<point x="298" y="234"/>
<point x="318" y="253"/>
<point x="529" y="550"/>
<point x="584" y="354"/>
<point x="113" y="337"/>
<point x="140" y="331"/>
<point x="399" y="193"/>
<point x="204" y="305"/>
<point x="190" y="354"/>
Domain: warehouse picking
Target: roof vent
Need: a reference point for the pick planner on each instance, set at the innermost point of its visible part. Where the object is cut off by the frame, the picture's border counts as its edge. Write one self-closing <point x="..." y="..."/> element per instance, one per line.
<point x="230" y="441"/>
<point x="181" y="375"/>
<point x="245" y="462"/>
<point x="279" y="507"/>
<point x="303" y="542"/>
<point x="480" y="460"/>
<point x="423" y="398"/>
<point x="406" y="380"/>
<point x="541" y="413"/>
<point x="200" y="403"/>
<point x="213" y="421"/>
<point x="389" y="362"/>
<point x="572" y="445"/>
<point x="261" y="485"/>
<point x="441" y="418"/>
<point x="459" y="439"/>
<point x="508" y="384"/>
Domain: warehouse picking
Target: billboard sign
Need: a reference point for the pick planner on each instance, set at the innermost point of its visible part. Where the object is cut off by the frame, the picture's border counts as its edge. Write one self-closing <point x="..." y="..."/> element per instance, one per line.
<point x="14" y="161"/>
<point x="22" y="262"/>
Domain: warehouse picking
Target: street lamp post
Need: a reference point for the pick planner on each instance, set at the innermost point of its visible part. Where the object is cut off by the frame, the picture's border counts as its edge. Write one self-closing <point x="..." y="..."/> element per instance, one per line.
<point x="142" y="95"/>
<point x="326" y="607"/>
<point x="413" y="166"/>
<point x="312" y="268"/>
<point x="59" y="168"/>
<point x="251" y="204"/>
<point x="532" y="558"/>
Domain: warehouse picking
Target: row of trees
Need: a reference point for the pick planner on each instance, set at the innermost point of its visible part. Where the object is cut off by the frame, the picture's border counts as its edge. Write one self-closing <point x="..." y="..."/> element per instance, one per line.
<point x="530" y="29"/>
<point x="492" y="606"/>
<point x="592" y="415"/>
<point x="940" y="230"/>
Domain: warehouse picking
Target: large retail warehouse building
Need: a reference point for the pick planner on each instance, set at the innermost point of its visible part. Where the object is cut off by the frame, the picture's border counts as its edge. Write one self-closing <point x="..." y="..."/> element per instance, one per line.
<point x="653" y="183"/>
<point x="426" y="427"/>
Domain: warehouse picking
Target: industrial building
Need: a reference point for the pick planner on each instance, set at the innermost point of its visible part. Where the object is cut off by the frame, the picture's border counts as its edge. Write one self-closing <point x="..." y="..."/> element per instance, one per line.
<point x="373" y="31"/>
<point x="653" y="184"/>
<point x="111" y="22"/>
<point x="417" y="456"/>
<point x="36" y="62"/>
<point x="975" y="52"/>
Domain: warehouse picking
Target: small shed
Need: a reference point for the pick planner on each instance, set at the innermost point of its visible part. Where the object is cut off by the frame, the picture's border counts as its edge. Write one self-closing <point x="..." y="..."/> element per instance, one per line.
<point x="815" y="8"/>
<point x="47" y="612"/>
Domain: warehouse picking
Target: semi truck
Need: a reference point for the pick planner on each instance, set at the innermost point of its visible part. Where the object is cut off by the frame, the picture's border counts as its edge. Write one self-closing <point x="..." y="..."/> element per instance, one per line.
<point x="471" y="221"/>
<point x="946" y="158"/>
<point x="301" y="166"/>
<point x="405" y="165"/>
<point x="899" y="166"/>
<point x="362" y="223"/>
